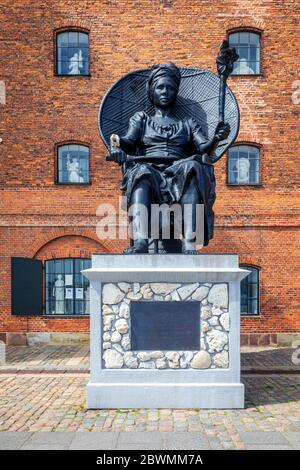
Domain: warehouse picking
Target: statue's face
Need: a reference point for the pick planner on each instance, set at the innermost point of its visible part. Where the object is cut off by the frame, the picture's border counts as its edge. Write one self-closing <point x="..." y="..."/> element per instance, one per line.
<point x="165" y="93"/>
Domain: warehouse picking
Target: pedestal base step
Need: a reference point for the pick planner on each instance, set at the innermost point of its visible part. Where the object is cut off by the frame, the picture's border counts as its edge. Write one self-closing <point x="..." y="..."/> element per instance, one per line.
<point x="164" y="395"/>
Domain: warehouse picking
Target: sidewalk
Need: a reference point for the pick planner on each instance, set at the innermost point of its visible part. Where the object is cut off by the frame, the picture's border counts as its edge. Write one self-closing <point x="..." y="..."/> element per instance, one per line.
<point x="40" y="358"/>
<point x="43" y="389"/>
<point x="141" y="441"/>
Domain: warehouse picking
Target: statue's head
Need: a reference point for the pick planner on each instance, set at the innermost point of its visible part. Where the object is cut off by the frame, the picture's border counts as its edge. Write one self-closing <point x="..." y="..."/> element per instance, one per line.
<point x="163" y="84"/>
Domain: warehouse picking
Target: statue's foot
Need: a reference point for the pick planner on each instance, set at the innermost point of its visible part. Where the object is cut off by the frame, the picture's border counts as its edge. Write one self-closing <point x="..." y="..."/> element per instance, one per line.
<point x="190" y="252"/>
<point x="136" y="249"/>
<point x="188" y="248"/>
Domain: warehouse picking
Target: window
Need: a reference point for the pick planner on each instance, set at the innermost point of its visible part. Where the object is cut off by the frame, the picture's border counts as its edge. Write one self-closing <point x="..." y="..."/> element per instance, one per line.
<point x="250" y="292"/>
<point x="73" y="164"/>
<point x="247" y="45"/>
<point x="67" y="290"/>
<point x="243" y="165"/>
<point x="72" y="53"/>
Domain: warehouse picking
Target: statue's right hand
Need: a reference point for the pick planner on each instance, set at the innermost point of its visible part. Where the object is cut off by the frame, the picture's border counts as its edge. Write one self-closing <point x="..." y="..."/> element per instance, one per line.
<point x="115" y="141"/>
<point x="117" y="156"/>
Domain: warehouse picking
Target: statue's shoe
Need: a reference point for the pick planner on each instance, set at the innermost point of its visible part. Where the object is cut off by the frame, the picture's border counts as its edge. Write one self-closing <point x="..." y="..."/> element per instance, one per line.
<point x="190" y="252"/>
<point x="133" y="250"/>
<point x="188" y="248"/>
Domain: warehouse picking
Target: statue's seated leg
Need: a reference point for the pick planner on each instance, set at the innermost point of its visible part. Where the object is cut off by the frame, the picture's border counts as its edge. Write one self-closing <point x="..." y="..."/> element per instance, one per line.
<point x="139" y="211"/>
<point x="190" y="199"/>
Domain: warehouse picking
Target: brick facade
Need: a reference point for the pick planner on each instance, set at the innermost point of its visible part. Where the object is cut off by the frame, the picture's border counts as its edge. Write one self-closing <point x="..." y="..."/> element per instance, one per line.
<point x="42" y="220"/>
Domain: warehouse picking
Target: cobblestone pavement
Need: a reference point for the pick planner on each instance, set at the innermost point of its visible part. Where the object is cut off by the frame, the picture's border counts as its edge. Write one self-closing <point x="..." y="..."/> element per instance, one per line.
<point x="54" y="402"/>
<point x="77" y="358"/>
<point x="39" y="402"/>
<point x="47" y="357"/>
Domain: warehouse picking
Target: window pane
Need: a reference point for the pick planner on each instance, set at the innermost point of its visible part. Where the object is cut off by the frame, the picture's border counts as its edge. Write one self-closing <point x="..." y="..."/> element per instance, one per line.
<point x="66" y="292"/>
<point x="63" y="67"/>
<point x="62" y="54"/>
<point x="243" y="151"/>
<point x="248" y="48"/>
<point x="232" y="164"/>
<point x="254" y="54"/>
<point x="253" y="277"/>
<point x="244" y="39"/>
<point x="252" y="307"/>
<point x="245" y="68"/>
<point x="253" y="177"/>
<point x="79" y="307"/>
<point x="250" y="292"/>
<point x="73" y="148"/>
<point x="72" y="53"/>
<point x="253" y="291"/>
<point x="243" y="53"/>
<point x="62" y="40"/>
<point x="73" y="39"/>
<point x="254" y="39"/>
<point x="73" y="164"/>
<point x="58" y="266"/>
<point x="69" y="309"/>
<point x="85" y="67"/>
<point x="83" y="40"/>
<point x="234" y="38"/>
<point x="85" y="53"/>
<point x="236" y="67"/>
<point x="83" y="151"/>
<point x="243" y="165"/>
<point x="254" y="66"/>
<point x="63" y="177"/>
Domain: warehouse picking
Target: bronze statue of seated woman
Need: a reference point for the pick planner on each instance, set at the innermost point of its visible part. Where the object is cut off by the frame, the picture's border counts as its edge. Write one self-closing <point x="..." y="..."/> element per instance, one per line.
<point x="168" y="160"/>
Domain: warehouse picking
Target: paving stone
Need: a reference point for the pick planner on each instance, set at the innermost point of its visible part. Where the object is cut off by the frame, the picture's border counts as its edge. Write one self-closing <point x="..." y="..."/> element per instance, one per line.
<point x="293" y="438"/>
<point x="61" y="439"/>
<point x="94" y="441"/>
<point x="44" y="447"/>
<point x="274" y="438"/>
<point x="139" y="437"/>
<point x="185" y="441"/>
<point x="13" y="440"/>
<point x="269" y="447"/>
<point x="139" y="446"/>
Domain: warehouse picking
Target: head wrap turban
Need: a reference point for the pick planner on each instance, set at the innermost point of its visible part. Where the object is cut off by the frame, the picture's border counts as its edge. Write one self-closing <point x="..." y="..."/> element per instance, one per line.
<point x="165" y="70"/>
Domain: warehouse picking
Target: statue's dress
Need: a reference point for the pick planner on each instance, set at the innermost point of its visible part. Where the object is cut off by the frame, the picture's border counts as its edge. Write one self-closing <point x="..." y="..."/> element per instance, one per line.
<point x="168" y="181"/>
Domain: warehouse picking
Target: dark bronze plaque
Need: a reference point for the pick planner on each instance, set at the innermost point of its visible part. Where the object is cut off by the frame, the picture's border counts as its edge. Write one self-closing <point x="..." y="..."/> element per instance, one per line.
<point x="165" y="326"/>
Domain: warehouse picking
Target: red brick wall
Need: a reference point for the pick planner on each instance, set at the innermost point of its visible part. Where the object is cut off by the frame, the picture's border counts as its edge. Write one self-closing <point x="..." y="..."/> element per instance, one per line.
<point x="259" y="223"/>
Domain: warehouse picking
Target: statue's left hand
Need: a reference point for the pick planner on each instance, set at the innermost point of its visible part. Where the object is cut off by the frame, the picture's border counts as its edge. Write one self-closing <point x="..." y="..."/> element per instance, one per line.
<point x="222" y="131"/>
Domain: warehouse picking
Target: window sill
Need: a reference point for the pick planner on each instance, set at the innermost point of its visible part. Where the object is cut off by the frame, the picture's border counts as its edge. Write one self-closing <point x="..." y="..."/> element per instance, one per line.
<point x="88" y="75"/>
<point x="67" y="316"/>
<point x="72" y="184"/>
<point x="249" y="315"/>
<point x="250" y="75"/>
<point x="242" y="185"/>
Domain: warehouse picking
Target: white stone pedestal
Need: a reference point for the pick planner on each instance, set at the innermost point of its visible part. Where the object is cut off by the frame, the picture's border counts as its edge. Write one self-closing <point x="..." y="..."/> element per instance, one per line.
<point x="207" y="377"/>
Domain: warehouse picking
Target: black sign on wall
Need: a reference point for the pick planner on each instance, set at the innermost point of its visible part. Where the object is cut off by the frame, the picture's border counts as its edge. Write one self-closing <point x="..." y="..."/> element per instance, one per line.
<point x="165" y="325"/>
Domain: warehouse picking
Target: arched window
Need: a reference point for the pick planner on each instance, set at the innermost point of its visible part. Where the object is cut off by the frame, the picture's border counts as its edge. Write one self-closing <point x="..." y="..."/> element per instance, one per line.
<point x="73" y="164"/>
<point x="72" y="53"/>
<point x="250" y="292"/>
<point x="248" y="47"/>
<point x="244" y="165"/>
<point x="67" y="291"/>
